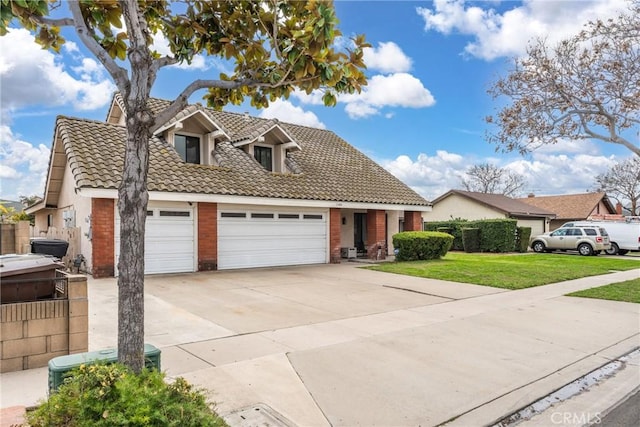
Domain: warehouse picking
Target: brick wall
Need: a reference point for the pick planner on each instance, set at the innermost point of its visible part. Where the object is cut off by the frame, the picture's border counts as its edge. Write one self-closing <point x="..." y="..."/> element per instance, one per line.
<point x="412" y="221"/>
<point x="103" y="234"/>
<point x="35" y="332"/>
<point x="376" y="236"/>
<point x="334" y="235"/>
<point x="207" y="236"/>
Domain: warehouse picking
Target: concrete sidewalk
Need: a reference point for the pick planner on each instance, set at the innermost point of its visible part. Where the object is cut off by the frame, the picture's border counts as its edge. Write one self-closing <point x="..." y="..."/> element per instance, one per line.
<point x="338" y="345"/>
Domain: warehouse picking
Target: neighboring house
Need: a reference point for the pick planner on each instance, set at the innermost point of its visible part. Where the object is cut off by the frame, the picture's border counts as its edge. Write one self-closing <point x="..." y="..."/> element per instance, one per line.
<point x="226" y="191"/>
<point x="469" y="205"/>
<point x="574" y="207"/>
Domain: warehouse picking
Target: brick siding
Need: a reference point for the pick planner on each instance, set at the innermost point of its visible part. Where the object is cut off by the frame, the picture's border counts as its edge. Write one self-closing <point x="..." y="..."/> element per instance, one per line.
<point x="103" y="237"/>
<point x="376" y="235"/>
<point x="334" y="235"/>
<point x="207" y="236"/>
<point x="412" y="221"/>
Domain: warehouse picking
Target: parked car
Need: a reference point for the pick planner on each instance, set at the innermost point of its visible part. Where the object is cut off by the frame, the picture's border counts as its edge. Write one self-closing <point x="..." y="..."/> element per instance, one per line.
<point x="624" y="236"/>
<point x="585" y="240"/>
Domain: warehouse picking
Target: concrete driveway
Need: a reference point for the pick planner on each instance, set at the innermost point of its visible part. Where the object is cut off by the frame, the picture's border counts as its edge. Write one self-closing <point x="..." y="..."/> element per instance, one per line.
<point x="344" y="346"/>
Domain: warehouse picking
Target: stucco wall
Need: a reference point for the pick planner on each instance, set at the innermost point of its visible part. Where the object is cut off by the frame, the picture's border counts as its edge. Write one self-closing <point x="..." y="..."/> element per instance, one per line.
<point x="454" y="207"/>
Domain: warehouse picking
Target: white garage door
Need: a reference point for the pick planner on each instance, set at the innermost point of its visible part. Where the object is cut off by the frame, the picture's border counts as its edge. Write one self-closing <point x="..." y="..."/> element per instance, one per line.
<point x="169" y="242"/>
<point x="265" y="239"/>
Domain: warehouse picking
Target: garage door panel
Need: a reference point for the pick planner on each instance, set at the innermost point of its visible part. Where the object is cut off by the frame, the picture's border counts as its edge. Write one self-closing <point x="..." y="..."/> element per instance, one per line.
<point x="169" y="240"/>
<point x="276" y="241"/>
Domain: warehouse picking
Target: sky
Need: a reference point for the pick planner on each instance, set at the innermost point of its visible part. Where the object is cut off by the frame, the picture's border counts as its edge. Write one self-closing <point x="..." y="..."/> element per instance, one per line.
<point x="421" y="116"/>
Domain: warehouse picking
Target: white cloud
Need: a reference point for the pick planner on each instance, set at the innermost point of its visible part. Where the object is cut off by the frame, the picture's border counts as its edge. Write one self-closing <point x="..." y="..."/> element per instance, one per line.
<point x="546" y="173"/>
<point x="507" y="34"/>
<point x="430" y="176"/>
<point x="33" y="76"/>
<point x="387" y="58"/>
<point x="23" y="166"/>
<point x="394" y="90"/>
<point x="161" y="45"/>
<point x="287" y="112"/>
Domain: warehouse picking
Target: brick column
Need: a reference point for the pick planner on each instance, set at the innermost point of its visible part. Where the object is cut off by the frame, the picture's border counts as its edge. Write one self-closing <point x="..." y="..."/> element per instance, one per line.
<point x="103" y="237"/>
<point x="207" y="236"/>
<point x="334" y="235"/>
<point x="376" y="234"/>
<point x="413" y="221"/>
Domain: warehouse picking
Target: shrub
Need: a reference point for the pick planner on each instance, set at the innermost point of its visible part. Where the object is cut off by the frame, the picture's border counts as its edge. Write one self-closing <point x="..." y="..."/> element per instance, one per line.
<point x="522" y="238"/>
<point x="452" y="227"/>
<point x="497" y="235"/>
<point x="421" y="245"/>
<point x="108" y="395"/>
<point x="471" y="239"/>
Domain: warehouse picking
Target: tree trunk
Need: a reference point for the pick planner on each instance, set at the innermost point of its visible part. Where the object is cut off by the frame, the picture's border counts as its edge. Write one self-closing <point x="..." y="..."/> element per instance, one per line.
<point x="132" y="206"/>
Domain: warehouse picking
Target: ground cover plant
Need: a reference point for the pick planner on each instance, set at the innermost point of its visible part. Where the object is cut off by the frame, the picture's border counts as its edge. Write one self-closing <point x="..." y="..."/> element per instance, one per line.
<point x="112" y="395"/>
<point x="628" y="291"/>
<point x="508" y="271"/>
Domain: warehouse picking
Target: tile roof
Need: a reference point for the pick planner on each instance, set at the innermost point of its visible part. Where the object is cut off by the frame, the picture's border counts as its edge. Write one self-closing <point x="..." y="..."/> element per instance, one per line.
<point x="500" y="202"/>
<point x="331" y="169"/>
<point x="570" y="206"/>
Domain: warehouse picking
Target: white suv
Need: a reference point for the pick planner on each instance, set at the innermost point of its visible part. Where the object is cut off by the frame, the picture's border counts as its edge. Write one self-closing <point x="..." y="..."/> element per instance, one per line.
<point x="586" y="240"/>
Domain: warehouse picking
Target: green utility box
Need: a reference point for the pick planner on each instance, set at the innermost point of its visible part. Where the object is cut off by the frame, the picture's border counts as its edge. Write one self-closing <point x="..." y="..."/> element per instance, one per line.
<point x="59" y="367"/>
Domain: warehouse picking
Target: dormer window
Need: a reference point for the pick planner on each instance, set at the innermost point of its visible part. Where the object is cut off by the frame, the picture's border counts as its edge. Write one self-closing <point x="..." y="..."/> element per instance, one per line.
<point x="264" y="156"/>
<point x="188" y="148"/>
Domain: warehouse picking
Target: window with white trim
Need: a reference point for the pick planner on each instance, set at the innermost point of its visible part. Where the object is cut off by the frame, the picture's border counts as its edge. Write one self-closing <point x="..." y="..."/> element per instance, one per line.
<point x="188" y="148"/>
<point x="264" y="156"/>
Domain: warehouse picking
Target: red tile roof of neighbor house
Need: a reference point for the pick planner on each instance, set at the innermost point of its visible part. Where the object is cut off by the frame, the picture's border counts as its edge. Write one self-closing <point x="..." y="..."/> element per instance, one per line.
<point x="570" y="206"/>
<point x="326" y="168"/>
<point x="502" y="203"/>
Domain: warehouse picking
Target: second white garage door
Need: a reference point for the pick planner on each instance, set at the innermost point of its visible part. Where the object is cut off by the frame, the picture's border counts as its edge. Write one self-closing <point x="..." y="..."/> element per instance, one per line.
<point x="265" y="239"/>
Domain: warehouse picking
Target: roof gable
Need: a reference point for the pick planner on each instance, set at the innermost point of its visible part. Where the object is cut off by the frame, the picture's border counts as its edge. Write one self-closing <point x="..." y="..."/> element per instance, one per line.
<point x="570" y="206"/>
<point x="499" y="202"/>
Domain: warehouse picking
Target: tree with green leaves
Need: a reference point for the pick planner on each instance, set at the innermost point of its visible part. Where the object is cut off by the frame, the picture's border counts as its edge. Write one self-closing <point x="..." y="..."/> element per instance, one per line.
<point x="622" y="182"/>
<point x="585" y="87"/>
<point x="277" y="46"/>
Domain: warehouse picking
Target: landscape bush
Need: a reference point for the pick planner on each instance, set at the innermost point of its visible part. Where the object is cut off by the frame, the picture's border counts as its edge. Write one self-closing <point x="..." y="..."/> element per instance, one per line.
<point x="496" y="235"/>
<point x="522" y="238"/>
<point x="112" y="395"/>
<point x="421" y="245"/>
<point x="452" y="227"/>
<point x="471" y="239"/>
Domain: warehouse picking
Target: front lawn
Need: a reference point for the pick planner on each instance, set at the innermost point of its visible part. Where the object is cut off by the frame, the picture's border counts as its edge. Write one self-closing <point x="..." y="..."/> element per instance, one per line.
<point x="509" y="271"/>
<point x="628" y="291"/>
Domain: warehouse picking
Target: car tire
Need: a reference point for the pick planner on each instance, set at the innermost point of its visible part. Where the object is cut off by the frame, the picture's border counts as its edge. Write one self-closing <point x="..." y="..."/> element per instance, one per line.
<point x="613" y="250"/>
<point x="585" y="249"/>
<point x="623" y="251"/>
<point x="538" y="246"/>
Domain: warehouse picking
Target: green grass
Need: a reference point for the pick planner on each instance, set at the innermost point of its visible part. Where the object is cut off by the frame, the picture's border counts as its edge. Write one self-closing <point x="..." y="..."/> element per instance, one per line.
<point x="628" y="291"/>
<point x="509" y="271"/>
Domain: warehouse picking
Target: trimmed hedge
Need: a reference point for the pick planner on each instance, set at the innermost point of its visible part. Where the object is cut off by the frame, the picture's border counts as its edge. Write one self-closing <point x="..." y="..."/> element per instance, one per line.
<point x="453" y="227"/>
<point x="471" y="239"/>
<point x="496" y="235"/>
<point x="421" y="245"/>
<point x="522" y="238"/>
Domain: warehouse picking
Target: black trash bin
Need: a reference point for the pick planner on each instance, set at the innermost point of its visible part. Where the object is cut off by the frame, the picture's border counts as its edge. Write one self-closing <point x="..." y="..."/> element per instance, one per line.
<point x="54" y="247"/>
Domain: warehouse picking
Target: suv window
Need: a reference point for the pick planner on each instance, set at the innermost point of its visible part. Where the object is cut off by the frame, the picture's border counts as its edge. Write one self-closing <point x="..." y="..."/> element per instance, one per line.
<point x="603" y="232"/>
<point x="590" y="232"/>
<point x="560" y="232"/>
<point x="574" y="232"/>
